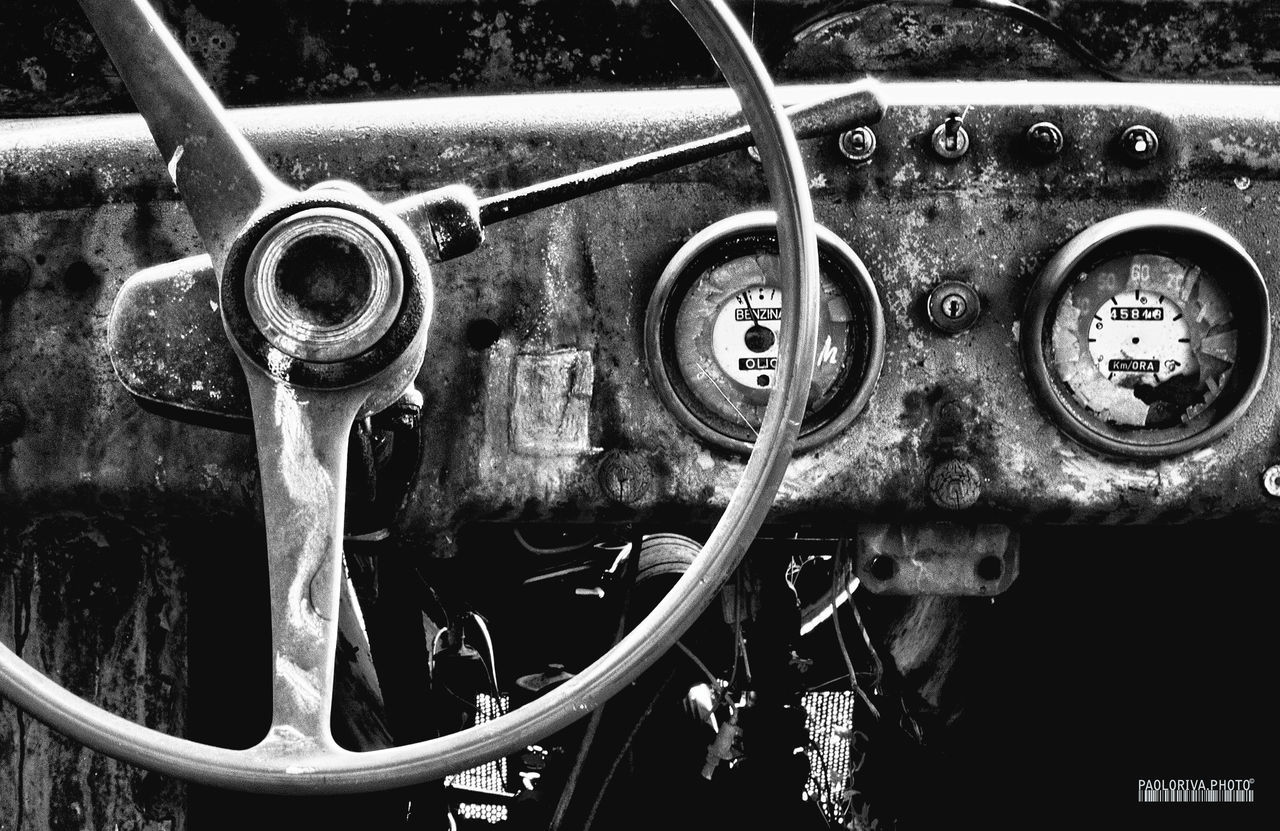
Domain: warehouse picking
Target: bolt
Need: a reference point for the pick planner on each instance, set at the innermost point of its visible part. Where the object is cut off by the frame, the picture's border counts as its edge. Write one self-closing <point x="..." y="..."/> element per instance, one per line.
<point x="950" y="139"/>
<point x="624" y="477"/>
<point x="858" y="146"/>
<point x="1139" y="143"/>
<point x="15" y="275"/>
<point x="954" y="485"/>
<point x="1271" y="480"/>
<point x="1044" y="140"/>
<point x="754" y="153"/>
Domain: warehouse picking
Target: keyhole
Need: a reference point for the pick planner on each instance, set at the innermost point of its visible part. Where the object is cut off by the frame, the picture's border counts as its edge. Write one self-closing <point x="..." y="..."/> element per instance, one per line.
<point x="954" y="307"/>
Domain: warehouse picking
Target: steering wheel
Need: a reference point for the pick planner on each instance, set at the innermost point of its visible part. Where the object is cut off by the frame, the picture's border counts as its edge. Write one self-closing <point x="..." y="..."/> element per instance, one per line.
<point x="326" y="299"/>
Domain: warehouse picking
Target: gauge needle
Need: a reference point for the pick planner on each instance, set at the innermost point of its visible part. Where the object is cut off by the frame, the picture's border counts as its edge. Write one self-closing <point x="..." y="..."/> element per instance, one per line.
<point x="746" y="297"/>
<point x="728" y="400"/>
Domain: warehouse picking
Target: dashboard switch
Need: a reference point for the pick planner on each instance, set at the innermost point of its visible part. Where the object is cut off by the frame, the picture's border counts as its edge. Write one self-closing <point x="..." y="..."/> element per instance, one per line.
<point x="950" y="139"/>
<point x="954" y="307"/>
<point x="1044" y="140"/>
<point x="858" y="145"/>
<point x="1139" y="144"/>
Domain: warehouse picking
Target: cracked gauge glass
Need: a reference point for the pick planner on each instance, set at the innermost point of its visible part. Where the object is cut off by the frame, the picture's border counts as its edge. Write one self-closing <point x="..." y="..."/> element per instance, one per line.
<point x="1147" y="334"/>
<point x="711" y="335"/>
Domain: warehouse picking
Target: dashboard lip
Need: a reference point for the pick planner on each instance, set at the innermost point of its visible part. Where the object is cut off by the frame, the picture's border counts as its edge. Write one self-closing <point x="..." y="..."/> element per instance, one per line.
<point x="116" y="149"/>
<point x="757" y="222"/>
<point x="1047" y="289"/>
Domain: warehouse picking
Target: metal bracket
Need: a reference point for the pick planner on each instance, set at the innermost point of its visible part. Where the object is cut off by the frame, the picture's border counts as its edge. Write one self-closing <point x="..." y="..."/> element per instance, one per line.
<point x="937" y="558"/>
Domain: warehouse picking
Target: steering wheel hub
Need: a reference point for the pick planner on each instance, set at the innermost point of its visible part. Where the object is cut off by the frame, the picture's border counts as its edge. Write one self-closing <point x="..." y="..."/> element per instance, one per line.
<point x="324" y="285"/>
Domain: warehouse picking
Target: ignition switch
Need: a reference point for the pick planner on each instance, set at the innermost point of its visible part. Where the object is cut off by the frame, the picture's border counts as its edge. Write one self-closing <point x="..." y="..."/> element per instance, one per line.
<point x="953" y="307"/>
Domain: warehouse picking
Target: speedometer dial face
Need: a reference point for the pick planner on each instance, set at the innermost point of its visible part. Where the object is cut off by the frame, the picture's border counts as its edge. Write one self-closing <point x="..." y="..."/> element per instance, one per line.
<point x="1158" y="335"/>
<point x="1148" y="339"/>
<point x="712" y="334"/>
<point x="1143" y="340"/>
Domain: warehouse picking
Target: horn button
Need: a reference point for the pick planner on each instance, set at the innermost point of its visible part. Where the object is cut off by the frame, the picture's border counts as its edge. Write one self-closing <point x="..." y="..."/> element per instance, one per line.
<point x="324" y="285"/>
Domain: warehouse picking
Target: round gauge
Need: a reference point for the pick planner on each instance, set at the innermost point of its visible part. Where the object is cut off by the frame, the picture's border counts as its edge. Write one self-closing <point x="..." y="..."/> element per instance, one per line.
<point x="711" y="335"/>
<point x="1147" y="335"/>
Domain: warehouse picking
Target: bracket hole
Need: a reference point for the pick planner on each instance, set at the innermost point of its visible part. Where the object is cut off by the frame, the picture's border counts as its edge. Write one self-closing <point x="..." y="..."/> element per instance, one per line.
<point x="882" y="568"/>
<point x="483" y="333"/>
<point x="989" y="568"/>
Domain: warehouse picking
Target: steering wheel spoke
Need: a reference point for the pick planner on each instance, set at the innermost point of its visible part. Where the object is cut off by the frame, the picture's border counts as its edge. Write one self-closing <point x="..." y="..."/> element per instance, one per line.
<point x="221" y="178"/>
<point x="302" y="437"/>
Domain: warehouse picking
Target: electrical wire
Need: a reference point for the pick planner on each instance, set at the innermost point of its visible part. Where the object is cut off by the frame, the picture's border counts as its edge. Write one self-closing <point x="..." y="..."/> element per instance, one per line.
<point x="492" y="664"/>
<point x="563" y="549"/>
<point x="837" y="572"/>
<point x="739" y="647"/>
<point x="866" y="639"/>
<point x="711" y="678"/>
<point x="1005" y="8"/>
<point x="1046" y="27"/>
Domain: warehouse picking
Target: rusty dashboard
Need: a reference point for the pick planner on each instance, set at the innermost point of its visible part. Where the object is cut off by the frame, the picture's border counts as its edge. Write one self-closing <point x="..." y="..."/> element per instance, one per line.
<point x="540" y="400"/>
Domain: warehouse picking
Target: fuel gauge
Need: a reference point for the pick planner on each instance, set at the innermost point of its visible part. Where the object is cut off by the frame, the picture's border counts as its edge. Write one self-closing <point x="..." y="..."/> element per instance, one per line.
<point x="711" y="335"/>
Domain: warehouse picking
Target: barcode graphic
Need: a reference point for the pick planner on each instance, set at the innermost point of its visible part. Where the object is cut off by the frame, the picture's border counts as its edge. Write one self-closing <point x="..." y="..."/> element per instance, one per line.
<point x="1199" y="795"/>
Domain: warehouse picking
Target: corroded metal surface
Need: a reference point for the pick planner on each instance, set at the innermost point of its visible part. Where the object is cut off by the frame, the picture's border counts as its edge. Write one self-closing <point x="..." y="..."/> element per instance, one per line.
<point x="99" y="600"/>
<point x="348" y="49"/>
<point x="85" y="204"/>
<point x="576" y="278"/>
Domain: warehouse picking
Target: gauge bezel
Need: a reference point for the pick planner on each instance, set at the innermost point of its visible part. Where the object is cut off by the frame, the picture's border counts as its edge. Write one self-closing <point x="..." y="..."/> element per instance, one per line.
<point x="1173" y="234"/>
<point x="719" y="243"/>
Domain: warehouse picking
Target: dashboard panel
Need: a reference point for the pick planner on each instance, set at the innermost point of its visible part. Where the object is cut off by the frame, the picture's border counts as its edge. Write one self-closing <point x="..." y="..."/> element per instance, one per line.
<point x="538" y="396"/>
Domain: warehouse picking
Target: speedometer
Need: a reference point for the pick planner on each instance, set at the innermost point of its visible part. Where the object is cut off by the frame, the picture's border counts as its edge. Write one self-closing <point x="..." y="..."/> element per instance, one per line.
<point x="711" y="333"/>
<point x="1147" y="335"/>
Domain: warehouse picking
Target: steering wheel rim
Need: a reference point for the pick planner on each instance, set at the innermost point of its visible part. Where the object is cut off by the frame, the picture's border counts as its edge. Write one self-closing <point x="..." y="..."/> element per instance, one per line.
<point x="304" y="768"/>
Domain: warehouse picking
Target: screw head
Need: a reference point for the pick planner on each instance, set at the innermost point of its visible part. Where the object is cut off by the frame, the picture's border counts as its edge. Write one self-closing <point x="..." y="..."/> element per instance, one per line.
<point x="858" y="146"/>
<point x="1139" y="144"/>
<point x="753" y="153"/>
<point x="1044" y="140"/>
